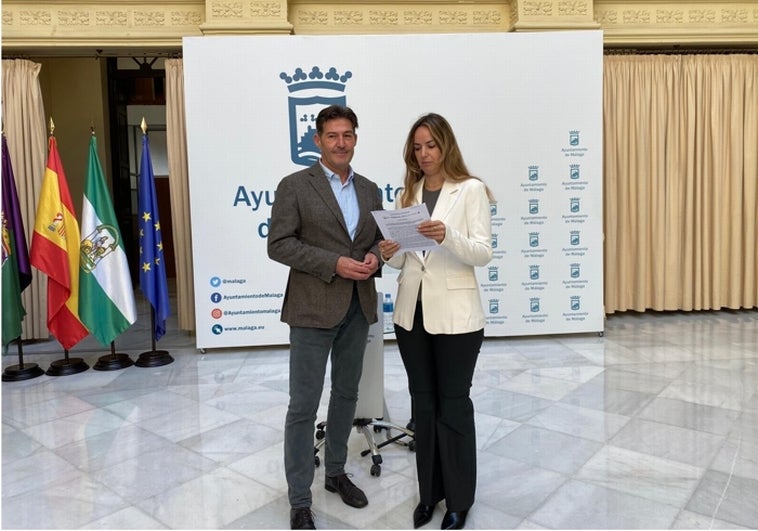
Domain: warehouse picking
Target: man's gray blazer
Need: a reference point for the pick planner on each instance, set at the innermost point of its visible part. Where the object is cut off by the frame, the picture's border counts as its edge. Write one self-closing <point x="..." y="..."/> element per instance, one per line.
<point x="308" y="233"/>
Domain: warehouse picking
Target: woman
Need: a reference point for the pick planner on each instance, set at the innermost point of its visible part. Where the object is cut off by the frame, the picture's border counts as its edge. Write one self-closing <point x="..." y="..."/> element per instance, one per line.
<point x="438" y="317"/>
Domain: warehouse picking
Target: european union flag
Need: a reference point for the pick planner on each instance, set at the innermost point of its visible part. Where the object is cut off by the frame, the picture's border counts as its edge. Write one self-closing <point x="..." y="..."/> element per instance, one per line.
<point x="152" y="274"/>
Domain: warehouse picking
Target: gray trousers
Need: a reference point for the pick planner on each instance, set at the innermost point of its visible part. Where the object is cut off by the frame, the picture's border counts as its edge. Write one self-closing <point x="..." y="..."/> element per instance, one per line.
<point x="309" y="353"/>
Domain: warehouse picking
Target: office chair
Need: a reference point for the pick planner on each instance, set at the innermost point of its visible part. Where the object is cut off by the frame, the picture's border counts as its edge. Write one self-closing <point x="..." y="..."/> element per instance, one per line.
<point x="368" y="427"/>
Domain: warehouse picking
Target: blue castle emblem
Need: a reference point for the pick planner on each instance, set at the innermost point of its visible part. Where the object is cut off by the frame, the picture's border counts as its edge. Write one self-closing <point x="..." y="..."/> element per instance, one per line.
<point x="574" y="138"/>
<point x="574" y="204"/>
<point x="574" y="238"/>
<point x="534" y="206"/>
<point x="534" y="272"/>
<point x="494" y="305"/>
<point x="534" y="173"/>
<point x="493" y="209"/>
<point x="575" y="271"/>
<point x="574" y="171"/>
<point x="534" y="239"/>
<point x="309" y="93"/>
<point x="575" y="304"/>
<point x="534" y="304"/>
<point x="492" y="273"/>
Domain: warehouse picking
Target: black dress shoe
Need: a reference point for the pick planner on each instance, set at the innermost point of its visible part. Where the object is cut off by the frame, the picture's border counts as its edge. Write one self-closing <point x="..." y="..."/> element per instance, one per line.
<point x="454" y="520"/>
<point x="350" y="494"/>
<point x="301" y="518"/>
<point x="422" y="515"/>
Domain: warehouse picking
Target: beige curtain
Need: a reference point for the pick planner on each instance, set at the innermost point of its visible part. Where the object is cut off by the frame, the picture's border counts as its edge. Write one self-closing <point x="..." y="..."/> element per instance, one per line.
<point x="176" y="144"/>
<point x="680" y="183"/>
<point x="26" y="132"/>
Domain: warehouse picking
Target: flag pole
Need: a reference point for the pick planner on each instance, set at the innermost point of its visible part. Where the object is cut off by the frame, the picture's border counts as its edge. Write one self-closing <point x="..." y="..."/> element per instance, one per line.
<point x="106" y="297"/>
<point x="16" y="373"/>
<point x="153" y="358"/>
<point x="113" y="361"/>
<point x="66" y="366"/>
<point x="152" y="273"/>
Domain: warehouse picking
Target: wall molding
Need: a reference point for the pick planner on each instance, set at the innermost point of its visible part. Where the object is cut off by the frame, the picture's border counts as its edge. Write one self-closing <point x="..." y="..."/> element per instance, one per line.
<point x="85" y="27"/>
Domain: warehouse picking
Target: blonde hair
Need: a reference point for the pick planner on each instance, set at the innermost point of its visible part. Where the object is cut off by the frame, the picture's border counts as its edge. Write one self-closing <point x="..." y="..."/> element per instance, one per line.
<point x="453" y="167"/>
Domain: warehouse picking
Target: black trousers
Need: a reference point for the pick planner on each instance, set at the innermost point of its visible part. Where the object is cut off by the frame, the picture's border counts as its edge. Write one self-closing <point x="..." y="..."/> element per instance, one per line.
<point x="440" y="369"/>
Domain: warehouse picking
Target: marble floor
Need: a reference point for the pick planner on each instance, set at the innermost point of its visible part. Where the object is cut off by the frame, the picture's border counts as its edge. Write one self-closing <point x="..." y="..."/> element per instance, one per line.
<point x="654" y="425"/>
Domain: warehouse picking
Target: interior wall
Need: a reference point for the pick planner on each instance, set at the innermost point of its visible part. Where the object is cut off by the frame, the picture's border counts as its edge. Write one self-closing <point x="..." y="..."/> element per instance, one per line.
<point x="75" y="97"/>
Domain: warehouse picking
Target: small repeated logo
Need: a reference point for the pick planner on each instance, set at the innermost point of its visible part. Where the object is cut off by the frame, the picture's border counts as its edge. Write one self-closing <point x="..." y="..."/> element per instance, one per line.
<point x="534" y="239"/>
<point x="534" y="206"/>
<point x="575" y="271"/>
<point x="309" y="93"/>
<point x="574" y="205"/>
<point x="493" y="209"/>
<point x="573" y="138"/>
<point x="534" y="272"/>
<point x="574" y="171"/>
<point x="575" y="304"/>
<point x="574" y="238"/>
<point x="494" y="305"/>
<point x="534" y="173"/>
<point x="492" y="273"/>
<point x="494" y="240"/>
<point x="534" y="304"/>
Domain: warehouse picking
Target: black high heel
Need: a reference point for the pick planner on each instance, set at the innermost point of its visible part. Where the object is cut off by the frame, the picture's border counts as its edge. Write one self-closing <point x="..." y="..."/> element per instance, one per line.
<point x="454" y="520"/>
<point x="422" y="515"/>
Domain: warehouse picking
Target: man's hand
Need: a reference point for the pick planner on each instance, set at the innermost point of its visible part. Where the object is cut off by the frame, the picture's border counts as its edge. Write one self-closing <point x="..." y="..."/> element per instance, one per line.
<point x="355" y="270"/>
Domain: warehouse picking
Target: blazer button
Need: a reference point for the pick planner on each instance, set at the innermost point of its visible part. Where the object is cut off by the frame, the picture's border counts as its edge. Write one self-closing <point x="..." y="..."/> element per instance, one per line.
<point x="423" y="269"/>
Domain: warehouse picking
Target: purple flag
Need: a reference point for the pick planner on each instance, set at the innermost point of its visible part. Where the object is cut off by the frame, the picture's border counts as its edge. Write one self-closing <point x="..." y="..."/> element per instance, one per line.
<point x="15" y="222"/>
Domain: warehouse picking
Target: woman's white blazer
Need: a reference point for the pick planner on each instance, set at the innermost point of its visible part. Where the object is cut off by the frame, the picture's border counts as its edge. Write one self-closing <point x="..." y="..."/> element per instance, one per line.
<point x="450" y="296"/>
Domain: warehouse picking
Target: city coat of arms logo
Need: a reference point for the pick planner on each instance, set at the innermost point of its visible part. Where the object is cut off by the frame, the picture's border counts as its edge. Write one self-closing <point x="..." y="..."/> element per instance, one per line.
<point x="309" y="93"/>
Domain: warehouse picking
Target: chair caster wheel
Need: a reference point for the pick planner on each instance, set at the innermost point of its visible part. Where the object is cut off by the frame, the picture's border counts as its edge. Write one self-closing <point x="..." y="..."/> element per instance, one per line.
<point x="376" y="470"/>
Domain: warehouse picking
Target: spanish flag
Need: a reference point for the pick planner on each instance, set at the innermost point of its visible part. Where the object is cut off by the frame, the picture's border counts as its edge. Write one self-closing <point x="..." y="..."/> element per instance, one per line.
<point x="55" y="252"/>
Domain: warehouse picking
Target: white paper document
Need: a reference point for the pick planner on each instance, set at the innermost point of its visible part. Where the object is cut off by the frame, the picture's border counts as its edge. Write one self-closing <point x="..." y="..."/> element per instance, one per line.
<point x="400" y="226"/>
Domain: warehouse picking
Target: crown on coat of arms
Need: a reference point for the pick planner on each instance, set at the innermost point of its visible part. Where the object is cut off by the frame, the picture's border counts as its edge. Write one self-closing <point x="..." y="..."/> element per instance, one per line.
<point x="332" y="79"/>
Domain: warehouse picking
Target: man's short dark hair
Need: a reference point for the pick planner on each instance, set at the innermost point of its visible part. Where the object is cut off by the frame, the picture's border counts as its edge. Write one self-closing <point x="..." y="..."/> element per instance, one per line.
<point x="334" y="112"/>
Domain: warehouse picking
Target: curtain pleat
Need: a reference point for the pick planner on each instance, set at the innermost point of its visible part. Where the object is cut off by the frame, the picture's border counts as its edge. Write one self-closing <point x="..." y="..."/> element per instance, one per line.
<point x="176" y="145"/>
<point x="680" y="136"/>
<point x="26" y="132"/>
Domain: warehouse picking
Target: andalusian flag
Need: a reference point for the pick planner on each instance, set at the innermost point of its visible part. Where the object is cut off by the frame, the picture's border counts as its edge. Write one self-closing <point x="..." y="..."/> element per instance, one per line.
<point x="16" y="271"/>
<point x="55" y="252"/>
<point x="106" y="296"/>
<point x="152" y="274"/>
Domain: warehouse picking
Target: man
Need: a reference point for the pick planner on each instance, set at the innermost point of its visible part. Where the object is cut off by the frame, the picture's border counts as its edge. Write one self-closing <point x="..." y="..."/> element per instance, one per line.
<point x="322" y="229"/>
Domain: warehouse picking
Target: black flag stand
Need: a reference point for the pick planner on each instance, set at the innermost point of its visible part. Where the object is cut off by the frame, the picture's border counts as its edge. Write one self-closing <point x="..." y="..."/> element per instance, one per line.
<point x="153" y="358"/>
<point x="67" y="366"/>
<point x="113" y="361"/>
<point x="22" y="371"/>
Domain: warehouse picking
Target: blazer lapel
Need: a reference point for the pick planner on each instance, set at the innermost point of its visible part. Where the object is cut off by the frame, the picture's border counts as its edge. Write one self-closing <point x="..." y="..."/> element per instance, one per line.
<point x="448" y="197"/>
<point x="364" y="192"/>
<point x="320" y="184"/>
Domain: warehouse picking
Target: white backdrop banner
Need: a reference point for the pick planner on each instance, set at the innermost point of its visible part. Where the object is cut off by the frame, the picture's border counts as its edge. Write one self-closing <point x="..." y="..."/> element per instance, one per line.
<point x="527" y="112"/>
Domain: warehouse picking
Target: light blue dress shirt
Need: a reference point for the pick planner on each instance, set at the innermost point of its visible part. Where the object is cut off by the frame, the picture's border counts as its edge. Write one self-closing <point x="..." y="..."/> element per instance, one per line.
<point x="346" y="198"/>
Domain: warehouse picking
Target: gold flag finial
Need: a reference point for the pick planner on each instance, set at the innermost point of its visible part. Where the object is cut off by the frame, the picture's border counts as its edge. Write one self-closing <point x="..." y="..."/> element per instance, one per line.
<point x="143" y="126"/>
<point x="52" y="126"/>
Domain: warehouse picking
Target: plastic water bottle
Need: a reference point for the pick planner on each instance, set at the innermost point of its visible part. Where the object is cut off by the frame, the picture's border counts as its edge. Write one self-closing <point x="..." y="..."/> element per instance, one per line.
<point x="387" y="308"/>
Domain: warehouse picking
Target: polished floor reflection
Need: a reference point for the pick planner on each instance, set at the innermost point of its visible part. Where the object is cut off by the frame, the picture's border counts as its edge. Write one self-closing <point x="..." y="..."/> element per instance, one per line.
<point x="652" y="426"/>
